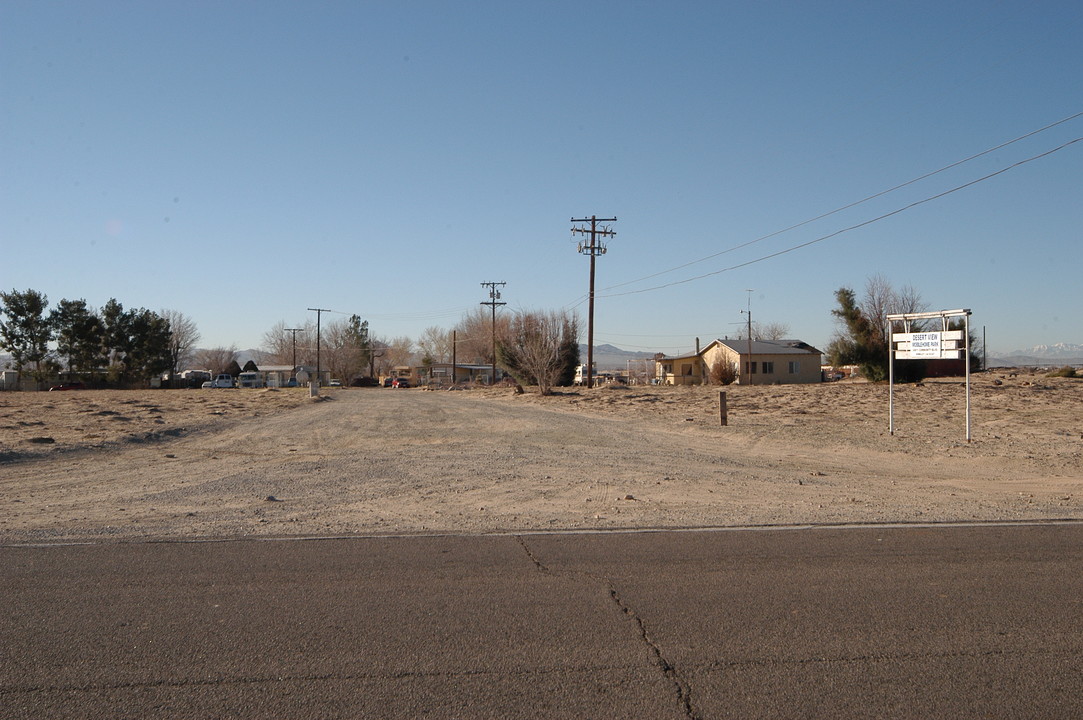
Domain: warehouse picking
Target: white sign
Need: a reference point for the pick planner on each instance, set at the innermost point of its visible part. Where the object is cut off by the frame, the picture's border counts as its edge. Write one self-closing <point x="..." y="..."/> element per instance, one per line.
<point x="928" y="345"/>
<point x="941" y="355"/>
<point x="925" y="345"/>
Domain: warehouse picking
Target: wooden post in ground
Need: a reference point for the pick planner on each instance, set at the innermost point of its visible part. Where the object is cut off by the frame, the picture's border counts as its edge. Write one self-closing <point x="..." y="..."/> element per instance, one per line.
<point x="723" y="412"/>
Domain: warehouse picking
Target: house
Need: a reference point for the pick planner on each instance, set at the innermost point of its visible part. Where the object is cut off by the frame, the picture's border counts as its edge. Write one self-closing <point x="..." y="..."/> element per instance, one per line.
<point x="680" y="370"/>
<point x="761" y="362"/>
<point x="440" y="373"/>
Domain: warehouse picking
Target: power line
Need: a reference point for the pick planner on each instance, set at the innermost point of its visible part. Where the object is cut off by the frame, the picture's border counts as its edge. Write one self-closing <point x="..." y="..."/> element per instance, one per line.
<point x="848" y="206"/>
<point x="851" y="227"/>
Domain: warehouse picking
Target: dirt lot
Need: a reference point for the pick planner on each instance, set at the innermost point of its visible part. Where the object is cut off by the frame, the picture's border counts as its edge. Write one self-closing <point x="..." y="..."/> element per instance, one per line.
<point x="92" y="466"/>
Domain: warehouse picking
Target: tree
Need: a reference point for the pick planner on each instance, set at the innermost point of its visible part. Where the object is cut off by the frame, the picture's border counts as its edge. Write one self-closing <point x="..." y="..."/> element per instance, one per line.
<point x="722" y="373"/>
<point x="346" y="347"/>
<point x="474" y="335"/>
<point x="397" y="352"/>
<point x="78" y="335"/>
<point x="536" y="348"/>
<point x="356" y="338"/>
<point x="182" y="339"/>
<point x="280" y="346"/>
<point x="216" y="360"/>
<point x="435" y="345"/>
<point x="764" y="331"/>
<point x="864" y="336"/>
<point x="27" y="331"/>
<point x="145" y="350"/>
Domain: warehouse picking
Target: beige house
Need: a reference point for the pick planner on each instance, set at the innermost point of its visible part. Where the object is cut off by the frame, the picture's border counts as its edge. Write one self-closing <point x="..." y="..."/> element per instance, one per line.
<point x="680" y="370"/>
<point x="772" y="362"/>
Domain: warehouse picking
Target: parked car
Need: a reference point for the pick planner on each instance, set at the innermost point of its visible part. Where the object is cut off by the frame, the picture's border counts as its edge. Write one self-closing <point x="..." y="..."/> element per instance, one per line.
<point x="224" y="380"/>
<point x="388" y="382"/>
<point x="400" y="383"/>
<point x="69" y="386"/>
<point x="334" y="383"/>
<point x="250" y="380"/>
<point x="207" y="384"/>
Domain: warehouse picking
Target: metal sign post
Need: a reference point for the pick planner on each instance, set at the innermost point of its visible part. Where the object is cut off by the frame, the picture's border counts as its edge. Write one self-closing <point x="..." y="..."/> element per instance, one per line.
<point x="933" y="345"/>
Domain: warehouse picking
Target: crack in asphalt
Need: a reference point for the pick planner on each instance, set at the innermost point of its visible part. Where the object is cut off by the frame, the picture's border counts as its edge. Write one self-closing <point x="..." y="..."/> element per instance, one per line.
<point x="680" y="686"/>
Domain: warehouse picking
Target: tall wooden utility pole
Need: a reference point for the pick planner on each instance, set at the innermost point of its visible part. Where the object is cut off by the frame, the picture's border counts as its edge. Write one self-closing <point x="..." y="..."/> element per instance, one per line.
<point x="294" y="331"/>
<point x="594" y="249"/>
<point x="318" y="312"/>
<point x="749" y="312"/>
<point x="494" y="297"/>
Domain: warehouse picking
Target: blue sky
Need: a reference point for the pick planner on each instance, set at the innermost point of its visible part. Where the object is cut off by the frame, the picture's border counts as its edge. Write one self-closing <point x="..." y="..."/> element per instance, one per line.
<point x="243" y="161"/>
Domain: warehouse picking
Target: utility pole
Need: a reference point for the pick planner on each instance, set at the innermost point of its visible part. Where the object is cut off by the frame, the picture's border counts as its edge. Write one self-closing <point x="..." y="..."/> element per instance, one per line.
<point x="749" y="313"/>
<point x="318" y="311"/>
<point x="594" y="249"/>
<point x="494" y="298"/>
<point x="294" y="331"/>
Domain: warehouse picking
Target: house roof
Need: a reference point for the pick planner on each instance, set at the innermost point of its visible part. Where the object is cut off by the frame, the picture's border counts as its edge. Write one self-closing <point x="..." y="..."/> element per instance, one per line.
<point x="759" y="347"/>
<point x="770" y="347"/>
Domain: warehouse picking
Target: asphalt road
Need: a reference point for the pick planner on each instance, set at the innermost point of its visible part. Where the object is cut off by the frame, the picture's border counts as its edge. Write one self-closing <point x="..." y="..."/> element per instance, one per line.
<point x="860" y="622"/>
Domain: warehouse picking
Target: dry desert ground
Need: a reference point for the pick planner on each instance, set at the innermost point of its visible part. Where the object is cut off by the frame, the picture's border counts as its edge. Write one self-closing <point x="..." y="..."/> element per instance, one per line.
<point x="97" y="466"/>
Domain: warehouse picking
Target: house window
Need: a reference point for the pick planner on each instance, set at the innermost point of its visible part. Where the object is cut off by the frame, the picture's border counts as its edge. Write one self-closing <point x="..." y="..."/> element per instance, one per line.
<point x="753" y="371"/>
<point x="768" y="367"/>
<point x="795" y="367"/>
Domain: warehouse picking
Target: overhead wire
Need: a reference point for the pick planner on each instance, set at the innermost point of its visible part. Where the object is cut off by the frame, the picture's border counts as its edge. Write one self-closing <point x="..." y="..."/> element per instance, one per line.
<point x="856" y="226"/>
<point x="848" y="206"/>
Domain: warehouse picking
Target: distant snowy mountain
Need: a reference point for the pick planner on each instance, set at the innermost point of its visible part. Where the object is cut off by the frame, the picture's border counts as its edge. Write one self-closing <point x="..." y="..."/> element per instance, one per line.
<point x="1057" y="350"/>
<point x="1056" y="354"/>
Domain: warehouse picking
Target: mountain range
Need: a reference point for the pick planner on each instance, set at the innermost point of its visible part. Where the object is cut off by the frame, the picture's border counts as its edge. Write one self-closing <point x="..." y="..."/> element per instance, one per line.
<point x="1056" y="354"/>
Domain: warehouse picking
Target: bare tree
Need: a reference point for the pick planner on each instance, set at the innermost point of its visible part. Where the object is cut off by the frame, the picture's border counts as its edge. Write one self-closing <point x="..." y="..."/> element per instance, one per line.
<point x="434" y="345"/>
<point x="395" y="352"/>
<point x="771" y="331"/>
<point x="279" y="345"/>
<point x="216" y="360"/>
<point x="475" y="335"/>
<point x="764" y="331"/>
<point x="342" y="355"/>
<point x="182" y="339"/>
<point x="535" y="349"/>
<point x="882" y="299"/>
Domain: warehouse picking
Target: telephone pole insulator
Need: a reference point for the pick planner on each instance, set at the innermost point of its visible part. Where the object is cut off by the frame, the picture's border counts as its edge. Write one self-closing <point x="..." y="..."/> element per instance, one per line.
<point x="594" y="248"/>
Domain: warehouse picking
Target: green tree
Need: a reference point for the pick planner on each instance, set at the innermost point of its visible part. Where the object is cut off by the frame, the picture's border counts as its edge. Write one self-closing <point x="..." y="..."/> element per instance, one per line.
<point x="27" y="331"/>
<point x="862" y="343"/>
<point x="136" y="342"/>
<point x="114" y="338"/>
<point x="864" y="340"/>
<point x="78" y="335"/>
<point x="148" y="346"/>
<point x="357" y="338"/>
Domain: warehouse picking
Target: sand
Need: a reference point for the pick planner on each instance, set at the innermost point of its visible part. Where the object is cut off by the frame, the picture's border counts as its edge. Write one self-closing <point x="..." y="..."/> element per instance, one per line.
<point x="108" y="466"/>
